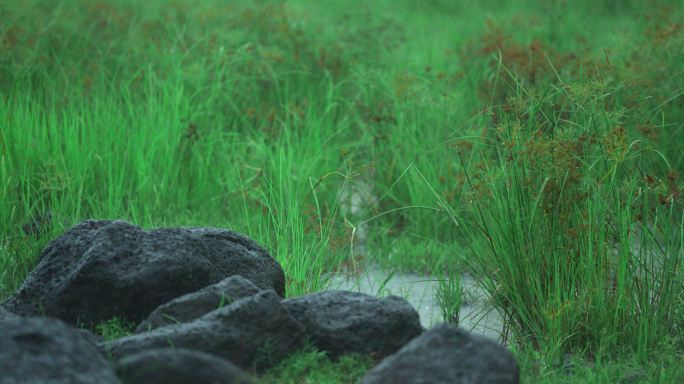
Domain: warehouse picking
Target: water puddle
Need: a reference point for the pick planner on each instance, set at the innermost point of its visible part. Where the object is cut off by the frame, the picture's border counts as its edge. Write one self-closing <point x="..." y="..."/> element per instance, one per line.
<point x="420" y="291"/>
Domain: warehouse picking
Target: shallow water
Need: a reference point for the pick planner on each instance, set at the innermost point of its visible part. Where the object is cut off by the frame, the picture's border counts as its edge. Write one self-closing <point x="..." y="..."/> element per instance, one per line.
<point x="420" y="290"/>
<point x="476" y="314"/>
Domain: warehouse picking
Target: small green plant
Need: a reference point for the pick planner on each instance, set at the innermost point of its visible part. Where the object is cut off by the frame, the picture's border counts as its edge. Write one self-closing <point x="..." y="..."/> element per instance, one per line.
<point x="312" y="366"/>
<point x="450" y="294"/>
<point x="115" y="328"/>
<point x="382" y="288"/>
<point x="171" y="318"/>
<point x="225" y="300"/>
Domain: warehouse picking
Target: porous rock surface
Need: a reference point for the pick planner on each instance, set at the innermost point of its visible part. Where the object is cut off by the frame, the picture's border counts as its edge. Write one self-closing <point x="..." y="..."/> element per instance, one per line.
<point x="102" y="269"/>
<point x="255" y="331"/>
<point x="45" y="350"/>
<point x="342" y="322"/>
<point x="446" y="354"/>
<point x="6" y="315"/>
<point x="194" y="305"/>
<point x="178" y="366"/>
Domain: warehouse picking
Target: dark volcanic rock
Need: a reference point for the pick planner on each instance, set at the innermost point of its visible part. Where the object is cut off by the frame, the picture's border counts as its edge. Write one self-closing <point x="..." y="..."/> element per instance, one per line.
<point x="446" y="354"/>
<point x="340" y="322"/>
<point x="178" y="366"/>
<point x="44" y="350"/>
<point x="193" y="305"/>
<point x="7" y="315"/>
<point x="253" y="331"/>
<point x="91" y="337"/>
<point x="102" y="269"/>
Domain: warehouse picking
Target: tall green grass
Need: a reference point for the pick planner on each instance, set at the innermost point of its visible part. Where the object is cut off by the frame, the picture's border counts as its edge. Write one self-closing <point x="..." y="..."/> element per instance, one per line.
<point x="583" y="243"/>
<point x="536" y="144"/>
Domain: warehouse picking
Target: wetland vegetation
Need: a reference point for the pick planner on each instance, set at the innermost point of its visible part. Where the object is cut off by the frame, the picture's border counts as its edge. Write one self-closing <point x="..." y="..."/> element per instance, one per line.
<point x="535" y="145"/>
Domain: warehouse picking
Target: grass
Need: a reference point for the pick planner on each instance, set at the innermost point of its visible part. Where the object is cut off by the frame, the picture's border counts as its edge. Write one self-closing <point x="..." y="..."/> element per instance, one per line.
<point x="115" y="328"/>
<point x="535" y="144"/>
<point x="312" y="366"/>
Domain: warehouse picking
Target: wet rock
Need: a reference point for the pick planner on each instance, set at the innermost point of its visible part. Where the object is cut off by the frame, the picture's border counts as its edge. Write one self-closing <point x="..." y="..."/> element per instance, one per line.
<point x="194" y="305"/>
<point x="179" y="366"/>
<point x="93" y="338"/>
<point x="104" y="269"/>
<point x="446" y="354"/>
<point x="7" y="315"/>
<point x="255" y="331"/>
<point x="44" y="350"/>
<point x="340" y="322"/>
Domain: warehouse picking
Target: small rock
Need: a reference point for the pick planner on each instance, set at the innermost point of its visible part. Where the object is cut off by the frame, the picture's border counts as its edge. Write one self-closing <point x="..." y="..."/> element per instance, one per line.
<point x="194" y="305"/>
<point x="446" y="354"/>
<point x="255" y="331"/>
<point x="45" y="350"/>
<point x="178" y="366"/>
<point x="341" y="322"/>
<point x="99" y="270"/>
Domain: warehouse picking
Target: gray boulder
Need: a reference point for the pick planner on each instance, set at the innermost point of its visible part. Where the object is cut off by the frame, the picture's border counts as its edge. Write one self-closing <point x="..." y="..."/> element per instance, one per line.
<point x="446" y="354"/>
<point x="179" y="366"/>
<point x="7" y="315"/>
<point x="340" y="322"/>
<point x="104" y="269"/>
<point x="44" y="350"/>
<point x="91" y="337"/>
<point x="255" y="331"/>
<point x="193" y="305"/>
